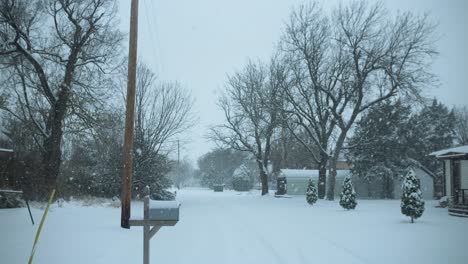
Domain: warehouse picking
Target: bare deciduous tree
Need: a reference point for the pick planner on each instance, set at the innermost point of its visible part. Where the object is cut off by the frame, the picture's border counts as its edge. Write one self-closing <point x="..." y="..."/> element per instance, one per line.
<point x="358" y="57"/>
<point x="304" y="46"/>
<point x="163" y="111"/>
<point x="461" y="125"/>
<point x="252" y="111"/>
<point x="57" y="52"/>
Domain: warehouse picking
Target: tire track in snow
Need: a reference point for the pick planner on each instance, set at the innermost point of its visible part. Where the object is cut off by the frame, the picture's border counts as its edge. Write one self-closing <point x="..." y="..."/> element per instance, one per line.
<point x="266" y="244"/>
<point x="227" y="211"/>
<point x="345" y="249"/>
<point x="248" y="228"/>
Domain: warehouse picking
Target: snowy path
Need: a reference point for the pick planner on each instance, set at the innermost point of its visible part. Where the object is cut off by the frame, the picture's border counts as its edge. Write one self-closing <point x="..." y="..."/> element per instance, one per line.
<point x="231" y="227"/>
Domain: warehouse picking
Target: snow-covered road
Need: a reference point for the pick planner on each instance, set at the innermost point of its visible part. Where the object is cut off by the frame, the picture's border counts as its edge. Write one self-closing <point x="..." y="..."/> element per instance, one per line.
<point x="233" y="227"/>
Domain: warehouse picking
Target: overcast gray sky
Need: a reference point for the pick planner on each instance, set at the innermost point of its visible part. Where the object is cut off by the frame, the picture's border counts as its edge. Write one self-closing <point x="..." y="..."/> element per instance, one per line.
<point x="199" y="42"/>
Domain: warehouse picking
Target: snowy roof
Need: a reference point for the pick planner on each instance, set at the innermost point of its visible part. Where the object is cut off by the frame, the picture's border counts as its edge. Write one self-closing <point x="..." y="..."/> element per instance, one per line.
<point x="292" y="173"/>
<point x="451" y="152"/>
<point x="5" y="150"/>
<point x="163" y="204"/>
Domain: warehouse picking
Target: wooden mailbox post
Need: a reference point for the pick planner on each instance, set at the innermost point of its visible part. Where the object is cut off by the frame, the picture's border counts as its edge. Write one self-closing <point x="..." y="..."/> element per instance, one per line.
<point x="156" y="214"/>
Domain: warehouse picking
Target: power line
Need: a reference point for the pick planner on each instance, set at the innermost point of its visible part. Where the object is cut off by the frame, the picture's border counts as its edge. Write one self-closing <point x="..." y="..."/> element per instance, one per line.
<point x="159" y="52"/>
<point x="154" y="48"/>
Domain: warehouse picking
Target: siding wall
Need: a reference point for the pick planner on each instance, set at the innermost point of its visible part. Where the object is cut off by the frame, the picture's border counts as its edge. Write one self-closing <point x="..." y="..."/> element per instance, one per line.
<point x="427" y="184"/>
<point x="375" y="189"/>
<point x="464" y="174"/>
<point x="298" y="186"/>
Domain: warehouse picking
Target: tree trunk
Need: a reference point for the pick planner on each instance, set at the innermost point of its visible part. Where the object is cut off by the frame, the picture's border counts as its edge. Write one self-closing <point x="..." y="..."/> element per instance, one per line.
<point x="51" y="159"/>
<point x="387" y="187"/>
<point x="369" y="190"/>
<point x="263" y="178"/>
<point x="52" y="153"/>
<point x="383" y="194"/>
<point x="321" y="188"/>
<point x="390" y="188"/>
<point x="331" y="181"/>
<point x="412" y="220"/>
<point x="333" y="162"/>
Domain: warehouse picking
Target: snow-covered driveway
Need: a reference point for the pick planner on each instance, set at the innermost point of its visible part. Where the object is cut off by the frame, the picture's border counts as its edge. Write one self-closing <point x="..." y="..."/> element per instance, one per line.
<point x="233" y="227"/>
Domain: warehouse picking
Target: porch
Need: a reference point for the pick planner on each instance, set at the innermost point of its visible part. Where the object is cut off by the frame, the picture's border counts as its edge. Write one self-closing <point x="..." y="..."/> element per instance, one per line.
<point x="456" y="178"/>
<point x="460" y="203"/>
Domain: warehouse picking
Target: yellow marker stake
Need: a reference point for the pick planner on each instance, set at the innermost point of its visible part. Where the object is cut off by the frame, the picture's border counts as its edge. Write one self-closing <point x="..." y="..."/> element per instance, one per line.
<point x="40" y="226"/>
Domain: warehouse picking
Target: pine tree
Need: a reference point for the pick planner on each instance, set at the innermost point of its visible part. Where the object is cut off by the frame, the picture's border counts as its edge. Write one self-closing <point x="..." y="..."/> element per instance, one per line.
<point x="311" y="193"/>
<point x="380" y="155"/>
<point x="433" y="128"/>
<point x="348" y="195"/>
<point x="412" y="204"/>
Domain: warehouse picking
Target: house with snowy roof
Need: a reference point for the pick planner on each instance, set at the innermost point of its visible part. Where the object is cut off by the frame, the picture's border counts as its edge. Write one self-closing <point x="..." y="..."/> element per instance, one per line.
<point x="297" y="180"/>
<point x="375" y="189"/>
<point x="455" y="162"/>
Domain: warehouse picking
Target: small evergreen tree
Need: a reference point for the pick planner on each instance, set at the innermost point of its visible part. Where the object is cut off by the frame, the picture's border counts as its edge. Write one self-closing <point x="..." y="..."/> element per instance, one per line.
<point x="348" y="195"/>
<point x="311" y="193"/>
<point x="412" y="204"/>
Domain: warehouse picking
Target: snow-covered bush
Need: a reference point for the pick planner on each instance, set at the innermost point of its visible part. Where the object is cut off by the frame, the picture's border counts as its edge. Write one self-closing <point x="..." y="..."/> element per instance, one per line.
<point x="242" y="179"/>
<point x="10" y="200"/>
<point x="348" y="195"/>
<point x="445" y="201"/>
<point x="161" y="194"/>
<point x="115" y="202"/>
<point x="412" y="203"/>
<point x="311" y="193"/>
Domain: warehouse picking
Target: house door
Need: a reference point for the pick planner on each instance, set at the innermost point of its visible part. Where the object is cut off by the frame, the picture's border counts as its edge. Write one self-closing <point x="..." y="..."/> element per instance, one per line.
<point x="456" y="180"/>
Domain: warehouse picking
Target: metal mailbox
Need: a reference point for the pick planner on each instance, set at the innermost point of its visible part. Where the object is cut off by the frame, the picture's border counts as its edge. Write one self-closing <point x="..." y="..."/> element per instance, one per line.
<point x="156" y="214"/>
<point x="164" y="210"/>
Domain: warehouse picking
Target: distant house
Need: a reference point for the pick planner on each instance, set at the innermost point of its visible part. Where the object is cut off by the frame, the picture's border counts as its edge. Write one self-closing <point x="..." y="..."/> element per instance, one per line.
<point x="456" y="178"/>
<point x="374" y="189"/>
<point x="297" y="183"/>
<point x="297" y="180"/>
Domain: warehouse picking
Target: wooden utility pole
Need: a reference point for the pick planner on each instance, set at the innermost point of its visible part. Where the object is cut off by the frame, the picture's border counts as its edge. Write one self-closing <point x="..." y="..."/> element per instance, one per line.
<point x="129" y="119"/>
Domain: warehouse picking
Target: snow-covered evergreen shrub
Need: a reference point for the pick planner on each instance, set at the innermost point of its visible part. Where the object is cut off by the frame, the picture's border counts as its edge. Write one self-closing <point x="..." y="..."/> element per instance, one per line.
<point x="412" y="203"/>
<point x="348" y="195"/>
<point x="445" y="201"/>
<point x="10" y="200"/>
<point x="242" y="179"/>
<point x="311" y="193"/>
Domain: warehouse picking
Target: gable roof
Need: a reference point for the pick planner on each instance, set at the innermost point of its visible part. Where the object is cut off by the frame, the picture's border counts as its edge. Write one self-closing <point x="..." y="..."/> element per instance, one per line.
<point x="451" y="152"/>
<point x="5" y="150"/>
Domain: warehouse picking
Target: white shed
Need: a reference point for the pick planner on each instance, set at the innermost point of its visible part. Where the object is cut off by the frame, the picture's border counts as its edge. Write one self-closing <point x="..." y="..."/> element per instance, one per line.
<point x="297" y="180"/>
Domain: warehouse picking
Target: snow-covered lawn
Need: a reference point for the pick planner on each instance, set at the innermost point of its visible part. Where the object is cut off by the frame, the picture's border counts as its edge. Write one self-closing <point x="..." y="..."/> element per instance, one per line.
<point x="232" y="227"/>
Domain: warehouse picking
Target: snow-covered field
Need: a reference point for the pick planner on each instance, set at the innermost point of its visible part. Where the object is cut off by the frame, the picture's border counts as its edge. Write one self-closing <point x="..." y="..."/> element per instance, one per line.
<point x="233" y="227"/>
